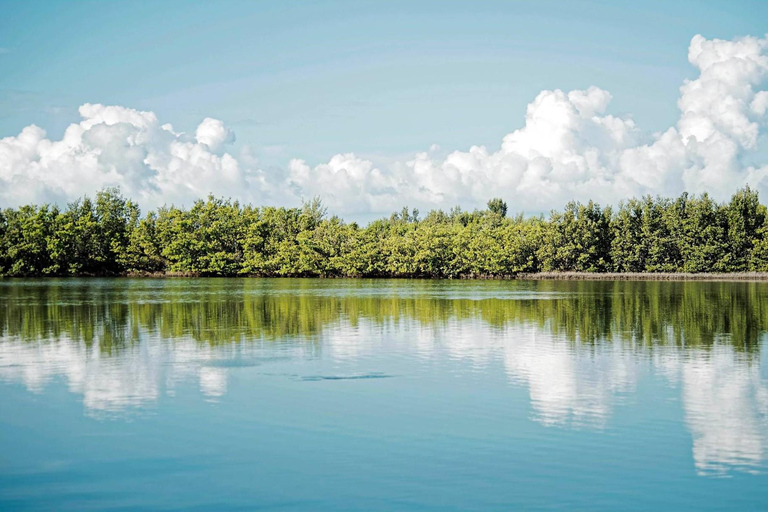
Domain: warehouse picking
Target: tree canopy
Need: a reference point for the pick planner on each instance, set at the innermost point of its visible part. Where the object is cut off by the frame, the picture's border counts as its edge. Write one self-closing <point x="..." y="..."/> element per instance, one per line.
<point x="221" y="237"/>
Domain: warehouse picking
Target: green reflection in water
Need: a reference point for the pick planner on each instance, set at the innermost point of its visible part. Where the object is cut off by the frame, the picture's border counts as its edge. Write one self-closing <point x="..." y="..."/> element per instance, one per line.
<point x="218" y="311"/>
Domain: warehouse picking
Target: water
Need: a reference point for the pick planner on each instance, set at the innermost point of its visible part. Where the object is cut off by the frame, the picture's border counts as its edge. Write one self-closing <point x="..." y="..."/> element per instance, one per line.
<point x="382" y="395"/>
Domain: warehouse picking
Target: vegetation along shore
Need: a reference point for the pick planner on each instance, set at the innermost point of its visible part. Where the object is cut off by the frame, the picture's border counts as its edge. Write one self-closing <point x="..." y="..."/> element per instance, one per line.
<point x="690" y="237"/>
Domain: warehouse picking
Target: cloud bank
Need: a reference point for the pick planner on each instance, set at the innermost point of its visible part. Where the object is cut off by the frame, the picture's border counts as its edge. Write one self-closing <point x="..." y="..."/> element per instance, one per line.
<point x="569" y="148"/>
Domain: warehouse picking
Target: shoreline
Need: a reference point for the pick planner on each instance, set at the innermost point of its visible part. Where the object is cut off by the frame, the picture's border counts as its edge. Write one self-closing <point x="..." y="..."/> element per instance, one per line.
<point x="645" y="276"/>
<point x="537" y="276"/>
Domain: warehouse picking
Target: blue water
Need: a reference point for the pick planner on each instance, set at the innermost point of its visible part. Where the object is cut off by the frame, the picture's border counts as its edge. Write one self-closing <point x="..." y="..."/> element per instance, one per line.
<point x="382" y="395"/>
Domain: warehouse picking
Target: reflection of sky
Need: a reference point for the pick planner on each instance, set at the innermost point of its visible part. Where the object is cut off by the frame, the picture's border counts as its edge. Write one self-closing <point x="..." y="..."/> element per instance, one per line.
<point x="723" y="395"/>
<point x="133" y="377"/>
<point x="726" y="407"/>
<point x="569" y="383"/>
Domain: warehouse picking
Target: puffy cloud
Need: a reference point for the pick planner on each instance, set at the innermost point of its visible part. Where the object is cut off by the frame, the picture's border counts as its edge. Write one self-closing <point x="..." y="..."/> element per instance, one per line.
<point x="117" y="146"/>
<point x="346" y="181"/>
<point x="214" y="134"/>
<point x="760" y="103"/>
<point x="568" y="148"/>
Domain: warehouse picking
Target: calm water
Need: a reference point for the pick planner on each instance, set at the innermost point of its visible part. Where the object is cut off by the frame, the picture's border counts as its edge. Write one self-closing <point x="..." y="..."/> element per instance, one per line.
<point x="382" y="395"/>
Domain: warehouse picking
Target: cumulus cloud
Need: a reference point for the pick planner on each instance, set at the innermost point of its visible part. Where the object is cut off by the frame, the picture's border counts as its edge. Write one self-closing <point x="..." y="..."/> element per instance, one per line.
<point x="117" y="146"/>
<point x="214" y="134"/>
<point x="568" y="148"/>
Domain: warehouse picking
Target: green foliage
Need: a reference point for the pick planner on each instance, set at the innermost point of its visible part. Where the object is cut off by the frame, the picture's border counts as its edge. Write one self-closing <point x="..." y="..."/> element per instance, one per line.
<point x="644" y="236"/>
<point x="142" y="253"/>
<point x="497" y="206"/>
<point x="745" y="218"/>
<point x="26" y="239"/>
<point x="219" y="237"/>
<point x="579" y="239"/>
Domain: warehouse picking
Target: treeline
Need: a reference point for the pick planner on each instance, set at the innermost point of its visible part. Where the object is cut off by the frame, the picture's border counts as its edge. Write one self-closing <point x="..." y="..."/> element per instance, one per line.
<point x="219" y="237"/>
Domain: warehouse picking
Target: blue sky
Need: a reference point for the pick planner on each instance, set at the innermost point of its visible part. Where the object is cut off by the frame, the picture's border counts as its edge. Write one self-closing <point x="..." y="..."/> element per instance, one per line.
<point x="380" y="79"/>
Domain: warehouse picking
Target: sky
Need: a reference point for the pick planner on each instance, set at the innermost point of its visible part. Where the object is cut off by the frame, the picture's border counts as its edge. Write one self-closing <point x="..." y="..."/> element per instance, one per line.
<point x="376" y="105"/>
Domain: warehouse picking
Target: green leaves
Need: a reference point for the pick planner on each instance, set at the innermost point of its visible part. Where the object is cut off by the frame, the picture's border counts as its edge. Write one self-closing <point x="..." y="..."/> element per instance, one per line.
<point x="218" y="237"/>
<point x="579" y="239"/>
<point x="26" y="236"/>
<point x="498" y="207"/>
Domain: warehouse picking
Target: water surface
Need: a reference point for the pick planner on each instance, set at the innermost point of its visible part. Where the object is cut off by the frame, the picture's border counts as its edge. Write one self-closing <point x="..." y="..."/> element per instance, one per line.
<point x="258" y="394"/>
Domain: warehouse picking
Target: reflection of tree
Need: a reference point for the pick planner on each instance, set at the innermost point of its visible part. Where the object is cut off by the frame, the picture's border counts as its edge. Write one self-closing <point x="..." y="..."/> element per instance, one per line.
<point x="574" y="345"/>
<point x="111" y="314"/>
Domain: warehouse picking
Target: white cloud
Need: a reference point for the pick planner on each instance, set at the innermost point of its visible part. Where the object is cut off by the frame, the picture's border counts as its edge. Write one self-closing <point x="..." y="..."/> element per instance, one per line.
<point x="214" y="134"/>
<point x="117" y="146"/>
<point x="568" y="148"/>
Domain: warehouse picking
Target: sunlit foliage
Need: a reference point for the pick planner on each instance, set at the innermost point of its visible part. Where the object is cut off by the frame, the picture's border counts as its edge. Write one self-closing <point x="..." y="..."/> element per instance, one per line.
<point x="220" y="237"/>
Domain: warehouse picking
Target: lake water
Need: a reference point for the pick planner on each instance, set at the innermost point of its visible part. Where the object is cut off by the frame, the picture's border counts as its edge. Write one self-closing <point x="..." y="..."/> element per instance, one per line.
<point x="331" y="395"/>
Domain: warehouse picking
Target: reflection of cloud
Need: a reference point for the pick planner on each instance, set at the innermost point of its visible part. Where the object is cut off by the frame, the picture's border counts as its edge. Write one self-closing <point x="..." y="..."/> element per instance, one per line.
<point x="724" y="398"/>
<point x="348" y="342"/>
<point x="107" y="383"/>
<point x="569" y="383"/>
<point x="116" y="383"/>
<point x="726" y="408"/>
<point x="34" y="364"/>
<point x="469" y="341"/>
<point x="213" y="381"/>
<point x="725" y="403"/>
<point x="131" y="378"/>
